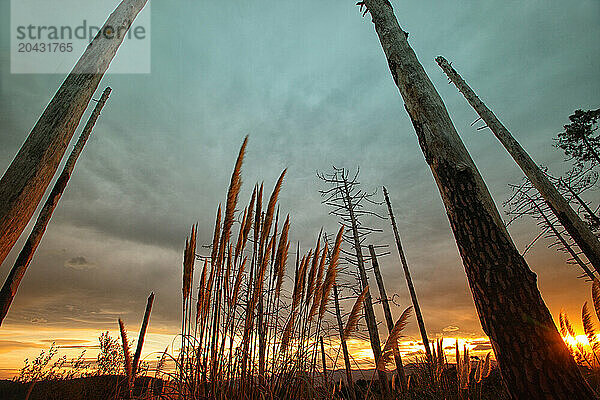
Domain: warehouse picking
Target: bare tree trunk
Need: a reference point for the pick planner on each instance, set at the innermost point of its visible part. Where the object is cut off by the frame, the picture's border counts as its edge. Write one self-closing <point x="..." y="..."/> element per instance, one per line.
<point x="338" y="316"/>
<point x="26" y="179"/>
<point x="533" y="359"/>
<point x="578" y="229"/>
<point x="388" y="315"/>
<point x="409" y="282"/>
<point x="141" y="336"/>
<point x="11" y="285"/>
<point x="369" y="313"/>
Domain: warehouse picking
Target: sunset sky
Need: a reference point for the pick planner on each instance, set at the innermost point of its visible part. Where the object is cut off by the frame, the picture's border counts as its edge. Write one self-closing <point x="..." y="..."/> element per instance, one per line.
<point x="309" y="83"/>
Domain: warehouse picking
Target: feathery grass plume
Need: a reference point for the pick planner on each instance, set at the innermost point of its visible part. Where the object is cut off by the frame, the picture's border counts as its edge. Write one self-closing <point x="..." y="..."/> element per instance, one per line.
<point x="270" y="210"/>
<point x="304" y="273"/>
<point x="331" y="272"/>
<point x="568" y="326"/>
<point x="355" y="314"/>
<point x="258" y="214"/>
<point x="161" y="363"/>
<point x="466" y="376"/>
<point x="457" y="355"/>
<point x="287" y="332"/>
<point x="201" y="292"/>
<point x="596" y="296"/>
<point x="208" y="291"/>
<point x="318" y="284"/>
<point x="486" y="366"/>
<point x="260" y="278"/>
<point x="392" y="341"/>
<point x="478" y="370"/>
<point x="273" y="253"/>
<point x="232" y="196"/>
<point x="297" y="294"/>
<point x="588" y="327"/>
<point x="281" y="258"/>
<point x="248" y="225"/>
<point x="240" y="240"/>
<point x="189" y="256"/>
<point x="228" y="269"/>
<point x="127" y="354"/>
<point x="216" y="237"/>
<point x="238" y="283"/>
<point x="563" y="328"/>
<point x="312" y="275"/>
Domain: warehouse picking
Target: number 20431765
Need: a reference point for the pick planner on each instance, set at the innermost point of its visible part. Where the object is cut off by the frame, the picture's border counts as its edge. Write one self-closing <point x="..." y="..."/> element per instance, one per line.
<point x="45" y="47"/>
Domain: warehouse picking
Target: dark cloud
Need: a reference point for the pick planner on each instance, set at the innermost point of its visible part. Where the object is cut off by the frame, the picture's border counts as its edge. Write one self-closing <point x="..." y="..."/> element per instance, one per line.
<point x="79" y="263"/>
<point x="308" y="82"/>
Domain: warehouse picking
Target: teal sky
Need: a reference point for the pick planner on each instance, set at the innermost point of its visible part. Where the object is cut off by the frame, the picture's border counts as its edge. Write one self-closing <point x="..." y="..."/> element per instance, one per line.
<point x="309" y="83"/>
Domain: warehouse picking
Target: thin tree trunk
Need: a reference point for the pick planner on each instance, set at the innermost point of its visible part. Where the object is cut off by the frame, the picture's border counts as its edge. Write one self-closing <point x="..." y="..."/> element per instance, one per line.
<point x="578" y="229"/>
<point x="11" y="285"/>
<point x="409" y="282"/>
<point x="369" y="313"/>
<point x="388" y="315"/>
<point x="338" y="316"/>
<point x="532" y="356"/>
<point x="26" y="179"/>
<point x="142" y="335"/>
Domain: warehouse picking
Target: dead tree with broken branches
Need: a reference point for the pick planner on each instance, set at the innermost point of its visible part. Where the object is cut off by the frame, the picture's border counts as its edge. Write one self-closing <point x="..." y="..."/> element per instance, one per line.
<point x="348" y="202"/>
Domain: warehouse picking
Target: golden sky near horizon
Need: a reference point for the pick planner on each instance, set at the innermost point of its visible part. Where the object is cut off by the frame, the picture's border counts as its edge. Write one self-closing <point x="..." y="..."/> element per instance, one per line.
<point x="310" y="93"/>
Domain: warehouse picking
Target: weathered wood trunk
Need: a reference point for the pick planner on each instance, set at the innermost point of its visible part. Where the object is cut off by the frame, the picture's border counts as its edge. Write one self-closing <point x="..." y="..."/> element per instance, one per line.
<point x="142" y="335"/>
<point x="26" y="179"/>
<point x="369" y="313"/>
<point x="338" y="316"/>
<point x="409" y="282"/>
<point x="533" y="359"/>
<point x="11" y="285"/>
<point x="578" y="229"/>
<point x="388" y="315"/>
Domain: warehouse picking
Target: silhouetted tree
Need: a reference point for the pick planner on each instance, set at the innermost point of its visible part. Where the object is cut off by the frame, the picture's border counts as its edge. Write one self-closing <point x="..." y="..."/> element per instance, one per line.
<point x="579" y="140"/>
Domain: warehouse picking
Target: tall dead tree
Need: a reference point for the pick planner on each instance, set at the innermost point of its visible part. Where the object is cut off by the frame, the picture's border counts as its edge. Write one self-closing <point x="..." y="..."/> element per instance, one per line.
<point x="388" y="315"/>
<point x="409" y="282"/>
<point x="347" y="201"/>
<point x="26" y="179"/>
<point x="11" y="285"/>
<point x="531" y="354"/>
<point x="577" y="228"/>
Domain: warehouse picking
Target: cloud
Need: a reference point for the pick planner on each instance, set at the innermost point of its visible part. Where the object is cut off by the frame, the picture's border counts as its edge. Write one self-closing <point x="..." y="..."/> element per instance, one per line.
<point x="310" y="94"/>
<point x="78" y="263"/>
<point x="12" y="345"/>
<point x="451" y="329"/>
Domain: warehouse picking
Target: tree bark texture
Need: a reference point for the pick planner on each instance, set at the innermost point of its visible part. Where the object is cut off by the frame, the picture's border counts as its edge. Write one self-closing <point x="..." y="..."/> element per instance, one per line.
<point x="533" y="359"/>
<point x="29" y="174"/>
